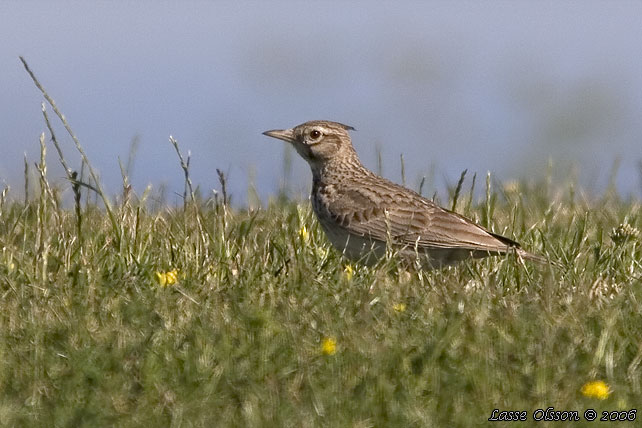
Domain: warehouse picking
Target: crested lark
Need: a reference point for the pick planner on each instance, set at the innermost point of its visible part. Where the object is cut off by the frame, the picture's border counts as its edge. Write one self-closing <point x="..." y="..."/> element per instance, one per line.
<point x="362" y="212"/>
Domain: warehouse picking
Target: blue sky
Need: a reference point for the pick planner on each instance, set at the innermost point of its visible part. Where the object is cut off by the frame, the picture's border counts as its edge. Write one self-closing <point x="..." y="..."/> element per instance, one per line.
<point x="483" y="86"/>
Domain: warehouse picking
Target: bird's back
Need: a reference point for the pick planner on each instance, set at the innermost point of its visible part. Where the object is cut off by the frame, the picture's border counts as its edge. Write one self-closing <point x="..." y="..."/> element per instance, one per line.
<point x="361" y="212"/>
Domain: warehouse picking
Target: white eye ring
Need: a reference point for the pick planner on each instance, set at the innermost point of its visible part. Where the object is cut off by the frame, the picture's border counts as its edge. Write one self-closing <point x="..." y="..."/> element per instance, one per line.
<point x="315" y="134"/>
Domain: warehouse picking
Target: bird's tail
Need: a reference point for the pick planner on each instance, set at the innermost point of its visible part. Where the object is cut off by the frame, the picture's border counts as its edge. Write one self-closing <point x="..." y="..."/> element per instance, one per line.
<point x="525" y="255"/>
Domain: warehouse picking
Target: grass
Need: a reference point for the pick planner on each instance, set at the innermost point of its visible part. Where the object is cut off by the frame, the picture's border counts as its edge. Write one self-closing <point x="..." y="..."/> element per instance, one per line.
<point x="260" y="323"/>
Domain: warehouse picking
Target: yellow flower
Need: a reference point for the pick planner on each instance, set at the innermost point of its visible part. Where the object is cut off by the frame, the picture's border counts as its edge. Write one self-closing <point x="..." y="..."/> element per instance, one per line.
<point x="329" y="346"/>
<point x="399" y="307"/>
<point x="304" y="234"/>
<point x="596" y="389"/>
<point x="166" y="279"/>
<point x="349" y="272"/>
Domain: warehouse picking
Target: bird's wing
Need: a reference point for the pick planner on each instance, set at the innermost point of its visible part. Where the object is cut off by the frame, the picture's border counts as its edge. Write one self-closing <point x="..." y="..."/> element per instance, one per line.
<point x="405" y="218"/>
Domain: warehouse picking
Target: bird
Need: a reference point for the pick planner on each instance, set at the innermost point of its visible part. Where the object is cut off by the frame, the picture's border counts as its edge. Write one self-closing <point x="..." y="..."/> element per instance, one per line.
<point x="363" y="214"/>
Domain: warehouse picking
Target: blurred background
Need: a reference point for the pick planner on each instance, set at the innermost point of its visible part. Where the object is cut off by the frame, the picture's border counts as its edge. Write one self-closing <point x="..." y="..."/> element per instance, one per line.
<point x="485" y="86"/>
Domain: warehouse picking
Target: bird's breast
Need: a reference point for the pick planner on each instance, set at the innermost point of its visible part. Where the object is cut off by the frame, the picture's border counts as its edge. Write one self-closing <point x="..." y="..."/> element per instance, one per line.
<point x="335" y="225"/>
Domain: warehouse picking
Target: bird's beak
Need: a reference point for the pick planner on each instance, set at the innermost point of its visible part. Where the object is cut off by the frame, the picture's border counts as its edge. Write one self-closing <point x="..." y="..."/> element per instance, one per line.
<point x="281" y="134"/>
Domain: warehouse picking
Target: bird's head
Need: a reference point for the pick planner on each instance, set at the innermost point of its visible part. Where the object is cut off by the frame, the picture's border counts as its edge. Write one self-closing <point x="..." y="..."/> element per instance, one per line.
<point x="317" y="141"/>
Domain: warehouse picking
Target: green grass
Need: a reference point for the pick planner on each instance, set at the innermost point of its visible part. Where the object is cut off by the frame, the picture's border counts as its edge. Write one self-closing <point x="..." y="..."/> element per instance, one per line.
<point x="90" y="338"/>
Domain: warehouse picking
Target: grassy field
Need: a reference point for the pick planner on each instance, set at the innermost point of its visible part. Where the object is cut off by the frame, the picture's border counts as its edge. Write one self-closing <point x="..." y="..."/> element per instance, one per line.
<point x="205" y="315"/>
<point x="119" y="314"/>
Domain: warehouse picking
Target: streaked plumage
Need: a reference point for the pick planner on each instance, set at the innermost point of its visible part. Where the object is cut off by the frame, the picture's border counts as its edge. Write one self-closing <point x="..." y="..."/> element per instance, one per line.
<point x="361" y="212"/>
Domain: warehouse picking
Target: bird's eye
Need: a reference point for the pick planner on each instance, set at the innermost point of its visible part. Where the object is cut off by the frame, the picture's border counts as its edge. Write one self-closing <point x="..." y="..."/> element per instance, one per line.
<point x="314" y="134"/>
